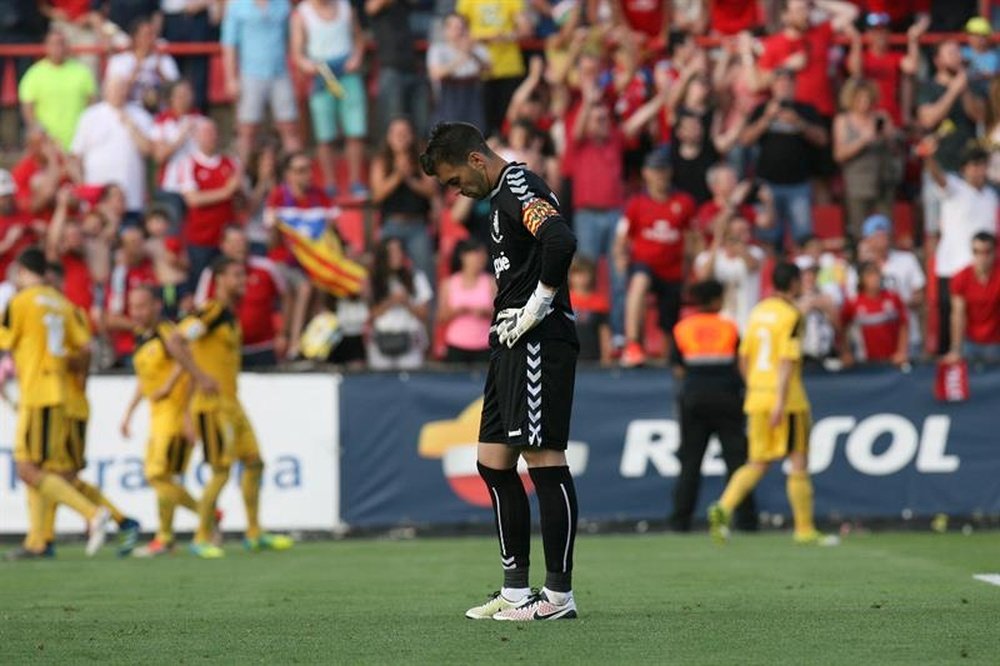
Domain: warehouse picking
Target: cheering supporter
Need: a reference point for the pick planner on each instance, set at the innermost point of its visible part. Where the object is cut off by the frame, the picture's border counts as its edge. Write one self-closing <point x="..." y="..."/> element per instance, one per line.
<point x="75" y="20"/>
<point x="456" y="64"/>
<point x="834" y="275"/>
<point x="254" y="55"/>
<point x="404" y="194"/>
<point x="402" y="90"/>
<point x="400" y="300"/>
<point x="262" y="177"/>
<point x="173" y="142"/>
<point x="879" y="332"/>
<point x="948" y="107"/>
<point x="132" y="269"/>
<point x="863" y="144"/>
<point x="266" y="294"/>
<point x="326" y="38"/>
<point x="648" y="19"/>
<point x="56" y="90"/>
<point x="42" y="169"/>
<point x="968" y="206"/>
<point x="982" y="56"/>
<point x="734" y="79"/>
<point x="748" y="199"/>
<point x="209" y="182"/>
<point x="901" y="272"/>
<point x="16" y="229"/>
<point x="886" y="68"/>
<point x="591" y="309"/>
<point x="733" y="260"/>
<point x="111" y="143"/>
<point x="820" y="314"/>
<point x="466" y="305"/>
<point x="498" y="24"/>
<point x="731" y="17"/>
<point x="170" y="264"/>
<point x="192" y="21"/>
<point x="786" y="132"/>
<point x="975" y="296"/>
<point x="649" y="245"/>
<point x="147" y="69"/>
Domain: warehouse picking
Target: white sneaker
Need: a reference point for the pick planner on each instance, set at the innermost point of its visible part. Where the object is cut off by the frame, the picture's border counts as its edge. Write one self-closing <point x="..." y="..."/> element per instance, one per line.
<point x="494" y="605"/>
<point x="98" y="531"/>
<point x="542" y="606"/>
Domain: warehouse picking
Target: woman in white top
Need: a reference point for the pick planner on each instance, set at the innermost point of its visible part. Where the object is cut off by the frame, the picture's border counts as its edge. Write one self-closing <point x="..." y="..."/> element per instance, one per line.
<point x="326" y="34"/>
<point x="734" y="262"/>
<point x="400" y="303"/>
<point x="146" y="68"/>
<point x="456" y="64"/>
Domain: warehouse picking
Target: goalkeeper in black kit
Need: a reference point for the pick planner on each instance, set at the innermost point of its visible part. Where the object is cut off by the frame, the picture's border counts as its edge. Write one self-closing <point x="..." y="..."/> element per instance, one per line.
<point x="529" y="387"/>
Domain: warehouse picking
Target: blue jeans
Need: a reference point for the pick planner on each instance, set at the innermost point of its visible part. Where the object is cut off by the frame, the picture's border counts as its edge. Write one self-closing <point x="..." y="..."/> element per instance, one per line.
<point x="402" y="94"/>
<point x="416" y="240"/>
<point x="793" y="212"/>
<point x="595" y="238"/>
<point x="976" y="352"/>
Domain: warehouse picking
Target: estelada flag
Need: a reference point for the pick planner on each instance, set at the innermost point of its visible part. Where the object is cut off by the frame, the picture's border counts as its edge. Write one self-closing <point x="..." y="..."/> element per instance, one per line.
<point x="320" y="252"/>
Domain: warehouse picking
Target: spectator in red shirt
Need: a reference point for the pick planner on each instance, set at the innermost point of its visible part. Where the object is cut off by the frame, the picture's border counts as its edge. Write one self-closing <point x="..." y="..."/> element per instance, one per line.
<point x="804" y="48"/>
<point x="598" y="193"/>
<point x="747" y="199"/>
<point x="16" y="231"/>
<point x="650" y="244"/>
<point x="39" y="173"/>
<point x="209" y="183"/>
<point x="266" y="294"/>
<point x="591" y="309"/>
<point x="883" y="66"/>
<point x="66" y="243"/>
<point x="132" y="269"/>
<point x="975" y="305"/>
<point x="881" y="319"/>
<point x="730" y="17"/>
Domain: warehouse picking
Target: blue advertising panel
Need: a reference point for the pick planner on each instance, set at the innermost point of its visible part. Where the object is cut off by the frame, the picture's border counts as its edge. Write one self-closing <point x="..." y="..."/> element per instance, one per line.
<point x="881" y="446"/>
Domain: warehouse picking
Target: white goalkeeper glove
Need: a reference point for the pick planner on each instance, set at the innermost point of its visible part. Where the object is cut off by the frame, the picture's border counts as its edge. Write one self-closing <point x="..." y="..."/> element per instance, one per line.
<point x="513" y="323"/>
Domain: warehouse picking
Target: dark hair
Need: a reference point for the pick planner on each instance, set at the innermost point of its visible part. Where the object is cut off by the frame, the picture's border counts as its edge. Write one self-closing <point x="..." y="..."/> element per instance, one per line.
<point x="985" y="237"/>
<point x="56" y="268"/>
<point x="381" y="272"/>
<point x="33" y="259"/>
<point x="385" y="154"/>
<point x="706" y="292"/>
<point x="230" y="228"/>
<point x="974" y="153"/>
<point x="463" y="247"/>
<point x="221" y="264"/>
<point x="451" y="143"/>
<point x="286" y="161"/>
<point x="784" y="275"/>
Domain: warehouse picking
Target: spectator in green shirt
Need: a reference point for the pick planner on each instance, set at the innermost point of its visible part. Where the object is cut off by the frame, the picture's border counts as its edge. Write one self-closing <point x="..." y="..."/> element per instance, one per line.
<point x="55" y="90"/>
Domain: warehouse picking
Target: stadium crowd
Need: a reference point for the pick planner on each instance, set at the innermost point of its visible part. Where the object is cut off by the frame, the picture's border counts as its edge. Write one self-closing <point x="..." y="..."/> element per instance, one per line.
<point x="687" y="140"/>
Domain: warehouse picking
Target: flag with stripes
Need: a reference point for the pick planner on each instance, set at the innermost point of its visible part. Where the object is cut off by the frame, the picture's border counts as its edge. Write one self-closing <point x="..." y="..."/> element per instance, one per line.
<point x="320" y="251"/>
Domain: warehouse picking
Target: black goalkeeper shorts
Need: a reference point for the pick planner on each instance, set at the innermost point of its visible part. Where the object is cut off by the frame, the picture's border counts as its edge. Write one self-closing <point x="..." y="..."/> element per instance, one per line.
<point x="528" y="397"/>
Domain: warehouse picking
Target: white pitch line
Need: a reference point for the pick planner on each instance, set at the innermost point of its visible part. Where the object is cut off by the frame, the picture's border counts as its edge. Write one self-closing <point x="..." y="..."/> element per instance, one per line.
<point x="992" y="579"/>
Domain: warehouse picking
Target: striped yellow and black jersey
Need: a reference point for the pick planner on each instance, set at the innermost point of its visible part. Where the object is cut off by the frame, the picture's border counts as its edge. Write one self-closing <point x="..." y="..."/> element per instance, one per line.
<point x="216" y="340"/>
<point x="154" y="368"/>
<point x="40" y="330"/>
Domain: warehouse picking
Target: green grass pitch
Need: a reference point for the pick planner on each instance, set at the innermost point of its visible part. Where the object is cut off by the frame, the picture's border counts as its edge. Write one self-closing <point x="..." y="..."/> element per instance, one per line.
<point x="877" y="599"/>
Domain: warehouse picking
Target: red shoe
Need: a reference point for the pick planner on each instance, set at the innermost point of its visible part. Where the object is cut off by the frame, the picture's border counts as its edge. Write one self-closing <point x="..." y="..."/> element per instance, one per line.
<point x="154" y="548"/>
<point x="217" y="535"/>
<point x="633" y="356"/>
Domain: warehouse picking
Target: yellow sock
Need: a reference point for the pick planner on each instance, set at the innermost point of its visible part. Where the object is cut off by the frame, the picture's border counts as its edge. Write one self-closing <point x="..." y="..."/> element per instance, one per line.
<point x="94" y="494"/>
<point x="800" y="496"/>
<point x="206" y="508"/>
<point x="56" y="489"/>
<point x="741" y="483"/>
<point x="34" y="540"/>
<point x="169" y="495"/>
<point x="250" y="485"/>
<point x="49" y="523"/>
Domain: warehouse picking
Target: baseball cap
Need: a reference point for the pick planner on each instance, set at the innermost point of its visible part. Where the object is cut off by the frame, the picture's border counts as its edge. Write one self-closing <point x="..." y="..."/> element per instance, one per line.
<point x="877" y="19"/>
<point x="874" y="224"/>
<point x="7" y="184"/>
<point x="658" y="159"/>
<point x="978" y="26"/>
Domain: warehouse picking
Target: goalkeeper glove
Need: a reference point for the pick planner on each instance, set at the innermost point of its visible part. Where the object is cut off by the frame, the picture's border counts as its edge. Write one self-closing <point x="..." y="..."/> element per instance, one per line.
<point x="513" y="323"/>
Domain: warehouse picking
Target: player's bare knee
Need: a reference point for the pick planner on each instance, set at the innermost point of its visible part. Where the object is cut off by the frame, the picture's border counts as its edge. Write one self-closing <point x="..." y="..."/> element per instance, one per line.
<point x="544" y="457"/>
<point x="496" y="456"/>
<point x="29" y="473"/>
<point x="799" y="461"/>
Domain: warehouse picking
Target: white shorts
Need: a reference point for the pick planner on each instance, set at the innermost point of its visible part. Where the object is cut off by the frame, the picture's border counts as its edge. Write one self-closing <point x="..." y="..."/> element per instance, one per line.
<point x="255" y="94"/>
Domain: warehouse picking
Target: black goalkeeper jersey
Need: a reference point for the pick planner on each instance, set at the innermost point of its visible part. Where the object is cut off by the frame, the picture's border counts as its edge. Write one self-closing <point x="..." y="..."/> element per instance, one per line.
<point x="521" y="207"/>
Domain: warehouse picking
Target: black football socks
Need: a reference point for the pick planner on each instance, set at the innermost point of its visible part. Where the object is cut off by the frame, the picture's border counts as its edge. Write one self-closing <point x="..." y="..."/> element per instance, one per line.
<point x="513" y="520"/>
<point x="557" y="504"/>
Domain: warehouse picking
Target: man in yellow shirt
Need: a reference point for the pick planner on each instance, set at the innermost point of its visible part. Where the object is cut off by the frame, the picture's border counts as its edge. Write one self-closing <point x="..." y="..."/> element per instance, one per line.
<point x="499" y="24"/>
<point x="226" y="434"/>
<point x="778" y="413"/>
<point x="39" y="329"/>
<point x="77" y="419"/>
<point x="160" y="366"/>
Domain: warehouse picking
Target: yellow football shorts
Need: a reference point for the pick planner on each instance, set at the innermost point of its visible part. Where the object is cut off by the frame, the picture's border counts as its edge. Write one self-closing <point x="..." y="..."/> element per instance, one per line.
<point x="167" y="454"/>
<point x="766" y="443"/>
<point x="227" y="436"/>
<point x="40" y="438"/>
